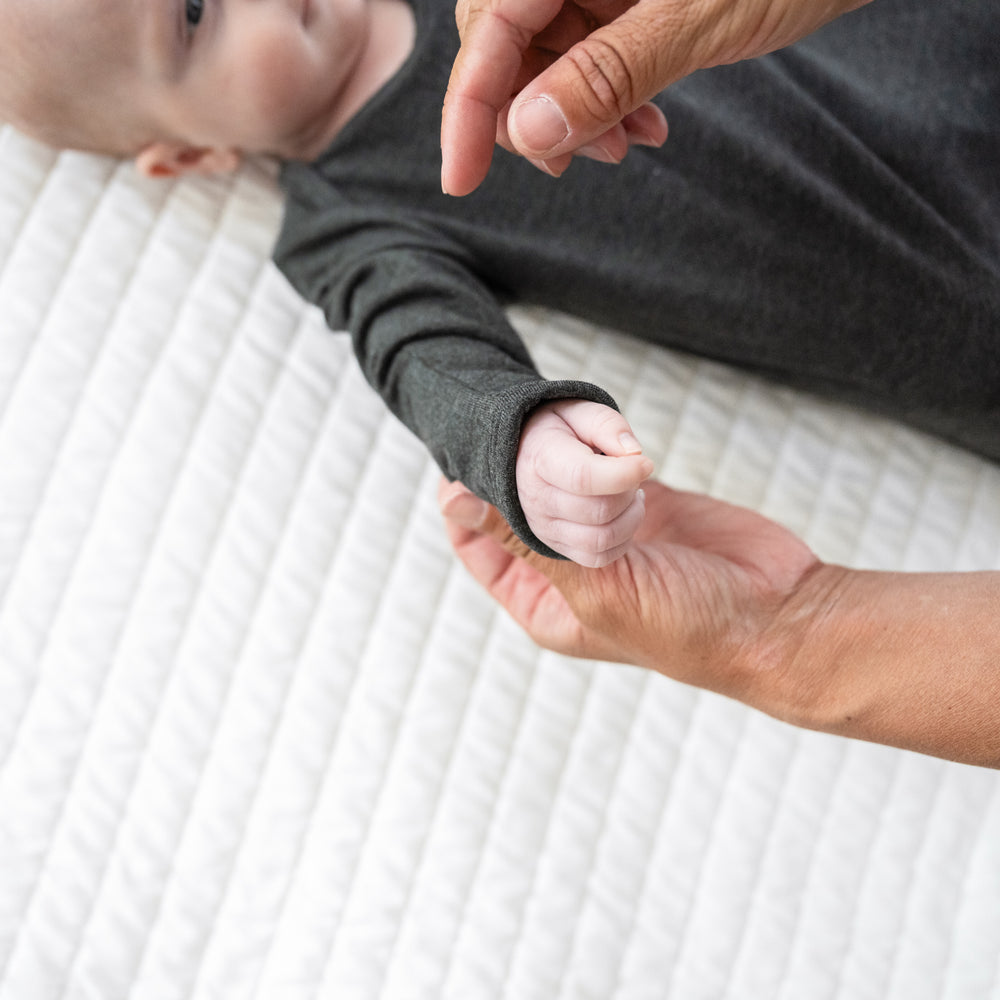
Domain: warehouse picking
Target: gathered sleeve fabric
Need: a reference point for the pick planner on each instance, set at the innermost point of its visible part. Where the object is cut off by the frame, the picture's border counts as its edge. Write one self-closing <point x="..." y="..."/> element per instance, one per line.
<point x="430" y="336"/>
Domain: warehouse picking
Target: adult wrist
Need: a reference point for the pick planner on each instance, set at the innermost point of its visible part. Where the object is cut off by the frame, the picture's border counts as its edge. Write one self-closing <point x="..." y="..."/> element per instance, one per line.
<point x="791" y="667"/>
<point x="904" y="659"/>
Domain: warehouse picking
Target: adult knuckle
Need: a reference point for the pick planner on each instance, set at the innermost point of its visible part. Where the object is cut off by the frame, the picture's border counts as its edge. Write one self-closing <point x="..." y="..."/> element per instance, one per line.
<point x="468" y="10"/>
<point x="487" y="16"/>
<point x="610" y="81"/>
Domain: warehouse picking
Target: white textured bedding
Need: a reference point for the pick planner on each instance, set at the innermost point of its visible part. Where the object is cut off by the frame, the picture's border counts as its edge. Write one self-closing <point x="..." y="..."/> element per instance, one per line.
<point x="261" y="737"/>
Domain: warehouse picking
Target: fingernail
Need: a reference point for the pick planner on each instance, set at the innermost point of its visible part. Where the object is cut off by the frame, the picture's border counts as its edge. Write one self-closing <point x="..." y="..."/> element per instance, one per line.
<point x="466" y="510"/>
<point x="595" y="152"/>
<point x="539" y="125"/>
<point x="630" y="443"/>
<point x="640" y="137"/>
<point x="646" y="126"/>
<point x="544" y="166"/>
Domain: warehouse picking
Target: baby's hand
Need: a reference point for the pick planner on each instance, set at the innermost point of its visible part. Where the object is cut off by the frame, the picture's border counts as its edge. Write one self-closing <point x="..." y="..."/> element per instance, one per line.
<point x="579" y="469"/>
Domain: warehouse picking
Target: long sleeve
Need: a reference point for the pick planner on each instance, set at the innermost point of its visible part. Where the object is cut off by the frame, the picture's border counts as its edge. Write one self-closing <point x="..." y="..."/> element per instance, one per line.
<point x="431" y="338"/>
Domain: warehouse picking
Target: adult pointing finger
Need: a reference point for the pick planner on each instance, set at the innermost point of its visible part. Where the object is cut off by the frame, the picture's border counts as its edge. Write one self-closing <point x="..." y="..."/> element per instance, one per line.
<point x="550" y="79"/>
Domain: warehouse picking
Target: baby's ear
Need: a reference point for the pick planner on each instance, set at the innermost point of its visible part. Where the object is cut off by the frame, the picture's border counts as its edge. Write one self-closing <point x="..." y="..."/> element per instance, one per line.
<point x="172" y="159"/>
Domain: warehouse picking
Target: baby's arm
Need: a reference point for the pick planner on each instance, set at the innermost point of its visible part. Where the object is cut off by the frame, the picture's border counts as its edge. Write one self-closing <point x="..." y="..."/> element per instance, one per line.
<point x="579" y="469"/>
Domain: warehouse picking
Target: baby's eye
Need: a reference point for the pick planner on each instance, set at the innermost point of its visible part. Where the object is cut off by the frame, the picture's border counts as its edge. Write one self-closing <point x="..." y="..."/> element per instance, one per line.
<point x="193" y="9"/>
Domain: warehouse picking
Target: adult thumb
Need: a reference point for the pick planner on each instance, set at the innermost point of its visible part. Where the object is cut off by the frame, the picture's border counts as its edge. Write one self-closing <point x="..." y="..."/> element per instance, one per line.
<point x="593" y="86"/>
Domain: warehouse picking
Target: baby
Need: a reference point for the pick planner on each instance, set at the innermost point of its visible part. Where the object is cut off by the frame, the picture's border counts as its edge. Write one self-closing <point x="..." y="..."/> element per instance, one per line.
<point x="826" y="215"/>
<point x="194" y="85"/>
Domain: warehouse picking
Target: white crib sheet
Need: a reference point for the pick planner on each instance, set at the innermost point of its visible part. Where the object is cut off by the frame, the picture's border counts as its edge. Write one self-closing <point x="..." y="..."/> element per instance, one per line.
<point x="262" y="737"/>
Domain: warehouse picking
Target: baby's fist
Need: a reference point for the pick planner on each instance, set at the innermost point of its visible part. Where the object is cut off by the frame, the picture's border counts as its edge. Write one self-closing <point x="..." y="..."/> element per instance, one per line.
<point x="579" y="469"/>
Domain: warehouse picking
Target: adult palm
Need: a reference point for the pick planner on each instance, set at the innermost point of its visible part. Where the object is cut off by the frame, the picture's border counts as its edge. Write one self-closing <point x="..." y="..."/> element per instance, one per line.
<point x="696" y="597"/>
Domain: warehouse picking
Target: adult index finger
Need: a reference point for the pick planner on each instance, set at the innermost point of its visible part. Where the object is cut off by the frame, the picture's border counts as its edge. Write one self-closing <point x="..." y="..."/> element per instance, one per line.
<point x="495" y="34"/>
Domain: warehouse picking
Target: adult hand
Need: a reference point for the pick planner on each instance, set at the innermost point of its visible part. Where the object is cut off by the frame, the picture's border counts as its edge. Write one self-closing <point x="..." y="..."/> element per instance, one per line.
<point x="699" y="584"/>
<point x="547" y="78"/>
<point x="722" y="598"/>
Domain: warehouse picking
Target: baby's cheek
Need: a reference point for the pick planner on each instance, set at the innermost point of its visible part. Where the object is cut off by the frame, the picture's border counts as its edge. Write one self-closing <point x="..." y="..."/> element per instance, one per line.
<point x="274" y="95"/>
<point x="276" y="88"/>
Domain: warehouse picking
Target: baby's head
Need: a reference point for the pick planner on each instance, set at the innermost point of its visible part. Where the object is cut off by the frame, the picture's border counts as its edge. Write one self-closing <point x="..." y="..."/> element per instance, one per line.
<point x="178" y="84"/>
<point x="64" y="80"/>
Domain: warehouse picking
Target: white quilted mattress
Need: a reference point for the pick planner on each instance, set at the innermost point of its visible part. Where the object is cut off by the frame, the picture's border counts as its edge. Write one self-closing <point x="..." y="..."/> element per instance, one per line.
<point x="262" y="738"/>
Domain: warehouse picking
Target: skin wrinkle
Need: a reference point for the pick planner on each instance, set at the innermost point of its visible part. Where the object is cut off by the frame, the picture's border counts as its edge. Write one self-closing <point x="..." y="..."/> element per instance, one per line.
<point x="778" y="648"/>
<point x="609" y="78"/>
<point x="523" y="34"/>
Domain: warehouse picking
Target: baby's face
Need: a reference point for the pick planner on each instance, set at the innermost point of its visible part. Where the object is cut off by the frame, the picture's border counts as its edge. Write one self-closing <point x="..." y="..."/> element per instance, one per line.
<point x="261" y="76"/>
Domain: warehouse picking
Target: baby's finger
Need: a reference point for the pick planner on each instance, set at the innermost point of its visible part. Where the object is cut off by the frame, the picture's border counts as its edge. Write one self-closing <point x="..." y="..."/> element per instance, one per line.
<point x="595" y="546"/>
<point x="589" y="475"/>
<point x="600" y="426"/>
<point x="561" y="505"/>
